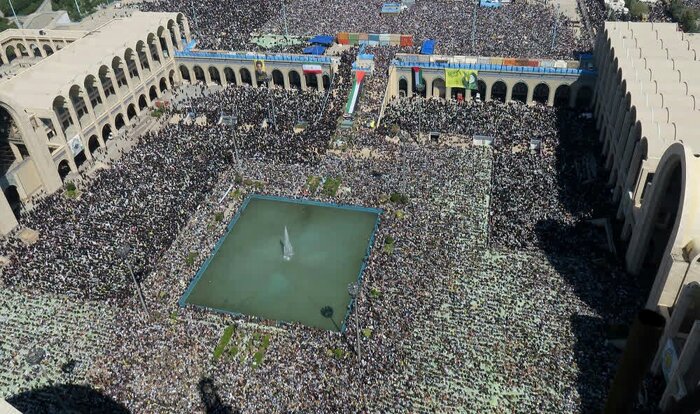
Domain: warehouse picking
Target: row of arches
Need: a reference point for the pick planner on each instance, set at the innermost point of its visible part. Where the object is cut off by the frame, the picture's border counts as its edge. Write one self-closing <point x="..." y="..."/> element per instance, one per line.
<point x="243" y="76"/>
<point x="17" y="50"/>
<point x="519" y="92"/>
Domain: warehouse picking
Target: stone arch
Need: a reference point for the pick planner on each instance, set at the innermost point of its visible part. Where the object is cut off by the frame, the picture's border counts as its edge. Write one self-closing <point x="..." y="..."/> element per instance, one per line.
<point x="403" y="87"/>
<point x="93" y="144"/>
<point x="519" y="92"/>
<point x="662" y="213"/>
<point x="326" y="81"/>
<point x="562" y="95"/>
<point x="119" y="122"/>
<point x="278" y="78"/>
<point x="499" y="91"/>
<point x="118" y="71"/>
<point x="35" y="50"/>
<point x="230" y="76"/>
<point x="131" y="111"/>
<point x="63" y="169"/>
<point x="106" y="132"/>
<point x="79" y="105"/>
<point x="153" y="93"/>
<point x="130" y="62"/>
<point x="214" y="75"/>
<point x="164" y="47"/>
<point x="93" y="94"/>
<point x="245" y="76"/>
<point x="141" y="53"/>
<point x="163" y="84"/>
<point x="153" y="47"/>
<point x="438" y="88"/>
<point x="11" y="53"/>
<point x="64" y="119"/>
<point x="185" y="73"/>
<point x="480" y="89"/>
<point x="583" y="97"/>
<point x="198" y="73"/>
<point x="143" y="103"/>
<point x="171" y="78"/>
<point x="22" y="49"/>
<point x="311" y="81"/>
<point x="48" y="50"/>
<point x="541" y="93"/>
<point x="171" y="25"/>
<point x="294" y="79"/>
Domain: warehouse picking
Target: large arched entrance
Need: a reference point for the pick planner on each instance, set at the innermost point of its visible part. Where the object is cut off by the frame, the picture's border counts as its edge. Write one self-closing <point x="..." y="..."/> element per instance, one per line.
<point x="561" y="96"/>
<point x="326" y="82"/>
<point x="519" y="92"/>
<point x="214" y="75"/>
<point x="662" y="215"/>
<point x="245" y="77"/>
<point x="143" y="103"/>
<point x="294" y="80"/>
<point x="93" y="144"/>
<point x="153" y="93"/>
<point x="230" y="76"/>
<point x="311" y="81"/>
<point x="278" y="78"/>
<point x="541" y="93"/>
<point x="499" y="91"/>
<point x="11" y="141"/>
<point x="131" y="111"/>
<point x="480" y="89"/>
<point x="438" y="88"/>
<point x="10" y="53"/>
<point x="119" y="121"/>
<point x="48" y="50"/>
<point x="403" y="87"/>
<point x="185" y="73"/>
<point x="106" y="132"/>
<point x="163" y="84"/>
<point x="198" y="73"/>
<point x="63" y="169"/>
<point x="13" y="199"/>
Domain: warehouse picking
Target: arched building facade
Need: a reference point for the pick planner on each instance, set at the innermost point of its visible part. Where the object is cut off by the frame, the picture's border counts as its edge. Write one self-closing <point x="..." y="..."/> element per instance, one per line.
<point x="647" y="114"/>
<point x="58" y="112"/>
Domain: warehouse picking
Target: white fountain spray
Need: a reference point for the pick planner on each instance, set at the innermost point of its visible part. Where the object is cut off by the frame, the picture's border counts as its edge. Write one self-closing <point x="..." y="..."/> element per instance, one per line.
<point x="287" y="249"/>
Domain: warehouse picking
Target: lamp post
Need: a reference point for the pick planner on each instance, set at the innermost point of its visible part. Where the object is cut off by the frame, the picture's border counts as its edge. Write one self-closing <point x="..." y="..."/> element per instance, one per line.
<point x="19" y="25"/>
<point x="123" y="253"/>
<point x="354" y="292"/>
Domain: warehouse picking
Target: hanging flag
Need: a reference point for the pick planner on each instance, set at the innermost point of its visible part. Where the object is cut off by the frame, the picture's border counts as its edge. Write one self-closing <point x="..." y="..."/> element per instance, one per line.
<point x="417" y="77"/>
<point x="359" y="75"/>
<point x="312" y="69"/>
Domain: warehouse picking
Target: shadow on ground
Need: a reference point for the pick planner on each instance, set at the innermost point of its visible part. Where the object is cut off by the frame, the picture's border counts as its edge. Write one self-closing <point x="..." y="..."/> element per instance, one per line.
<point x="66" y="398"/>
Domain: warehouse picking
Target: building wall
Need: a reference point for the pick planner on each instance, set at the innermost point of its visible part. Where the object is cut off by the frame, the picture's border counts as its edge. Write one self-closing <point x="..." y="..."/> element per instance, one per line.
<point x="553" y="81"/>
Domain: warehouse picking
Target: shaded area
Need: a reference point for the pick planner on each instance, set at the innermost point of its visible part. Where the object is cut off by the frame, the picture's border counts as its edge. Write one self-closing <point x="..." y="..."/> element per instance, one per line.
<point x="66" y="398"/>
<point x="211" y="399"/>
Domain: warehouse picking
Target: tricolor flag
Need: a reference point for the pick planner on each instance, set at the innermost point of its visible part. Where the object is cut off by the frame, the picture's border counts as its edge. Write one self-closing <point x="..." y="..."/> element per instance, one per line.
<point x="354" y="92"/>
<point x="417" y="77"/>
<point x="312" y="69"/>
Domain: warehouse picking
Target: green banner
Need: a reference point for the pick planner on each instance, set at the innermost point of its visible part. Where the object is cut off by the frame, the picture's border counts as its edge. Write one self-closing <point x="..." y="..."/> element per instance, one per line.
<point x="461" y="78"/>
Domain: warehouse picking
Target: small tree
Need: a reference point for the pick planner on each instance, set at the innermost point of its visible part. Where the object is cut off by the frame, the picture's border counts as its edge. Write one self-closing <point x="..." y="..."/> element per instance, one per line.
<point x="70" y="186"/>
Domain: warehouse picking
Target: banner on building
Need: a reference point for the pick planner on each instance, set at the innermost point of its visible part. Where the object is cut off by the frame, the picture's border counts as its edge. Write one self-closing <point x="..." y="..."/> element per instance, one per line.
<point x="312" y="69"/>
<point x="461" y="78"/>
<point x="260" y="73"/>
<point x="75" y="145"/>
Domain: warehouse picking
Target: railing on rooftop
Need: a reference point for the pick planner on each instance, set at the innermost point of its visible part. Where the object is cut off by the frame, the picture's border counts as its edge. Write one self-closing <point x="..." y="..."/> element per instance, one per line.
<point x="494" y="68"/>
<point x="200" y="54"/>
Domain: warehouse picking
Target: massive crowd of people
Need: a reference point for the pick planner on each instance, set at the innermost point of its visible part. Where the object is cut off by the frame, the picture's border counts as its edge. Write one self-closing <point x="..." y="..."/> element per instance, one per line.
<point x="496" y="293"/>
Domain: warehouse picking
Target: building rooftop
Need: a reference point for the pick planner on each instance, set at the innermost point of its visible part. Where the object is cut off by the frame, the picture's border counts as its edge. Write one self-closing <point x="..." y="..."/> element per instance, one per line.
<point x="38" y="85"/>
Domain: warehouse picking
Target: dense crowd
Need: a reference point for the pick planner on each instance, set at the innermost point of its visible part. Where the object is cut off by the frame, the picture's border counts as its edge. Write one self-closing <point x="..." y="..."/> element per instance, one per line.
<point x="457" y="321"/>
<point x="518" y="29"/>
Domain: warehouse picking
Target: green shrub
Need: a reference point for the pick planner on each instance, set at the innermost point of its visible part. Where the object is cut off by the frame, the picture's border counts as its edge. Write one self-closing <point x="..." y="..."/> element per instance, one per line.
<point x="218" y="216"/>
<point x="330" y="186"/>
<point x="70" y="186"/>
<point x="223" y="342"/>
<point x="399" y="214"/>
<point x="238" y="179"/>
<point x="6" y="24"/>
<point x="375" y="293"/>
<point x="191" y="257"/>
<point x="389" y="240"/>
<point x="398" y="198"/>
<point x="367" y="332"/>
<point x="312" y="182"/>
<point x="258" y="358"/>
<point x="87" y="7"/>
<point x="637" y="9"/>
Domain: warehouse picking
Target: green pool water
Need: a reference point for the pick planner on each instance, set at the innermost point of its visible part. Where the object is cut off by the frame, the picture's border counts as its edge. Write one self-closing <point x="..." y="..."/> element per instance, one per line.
<point x="247" y="274"/>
